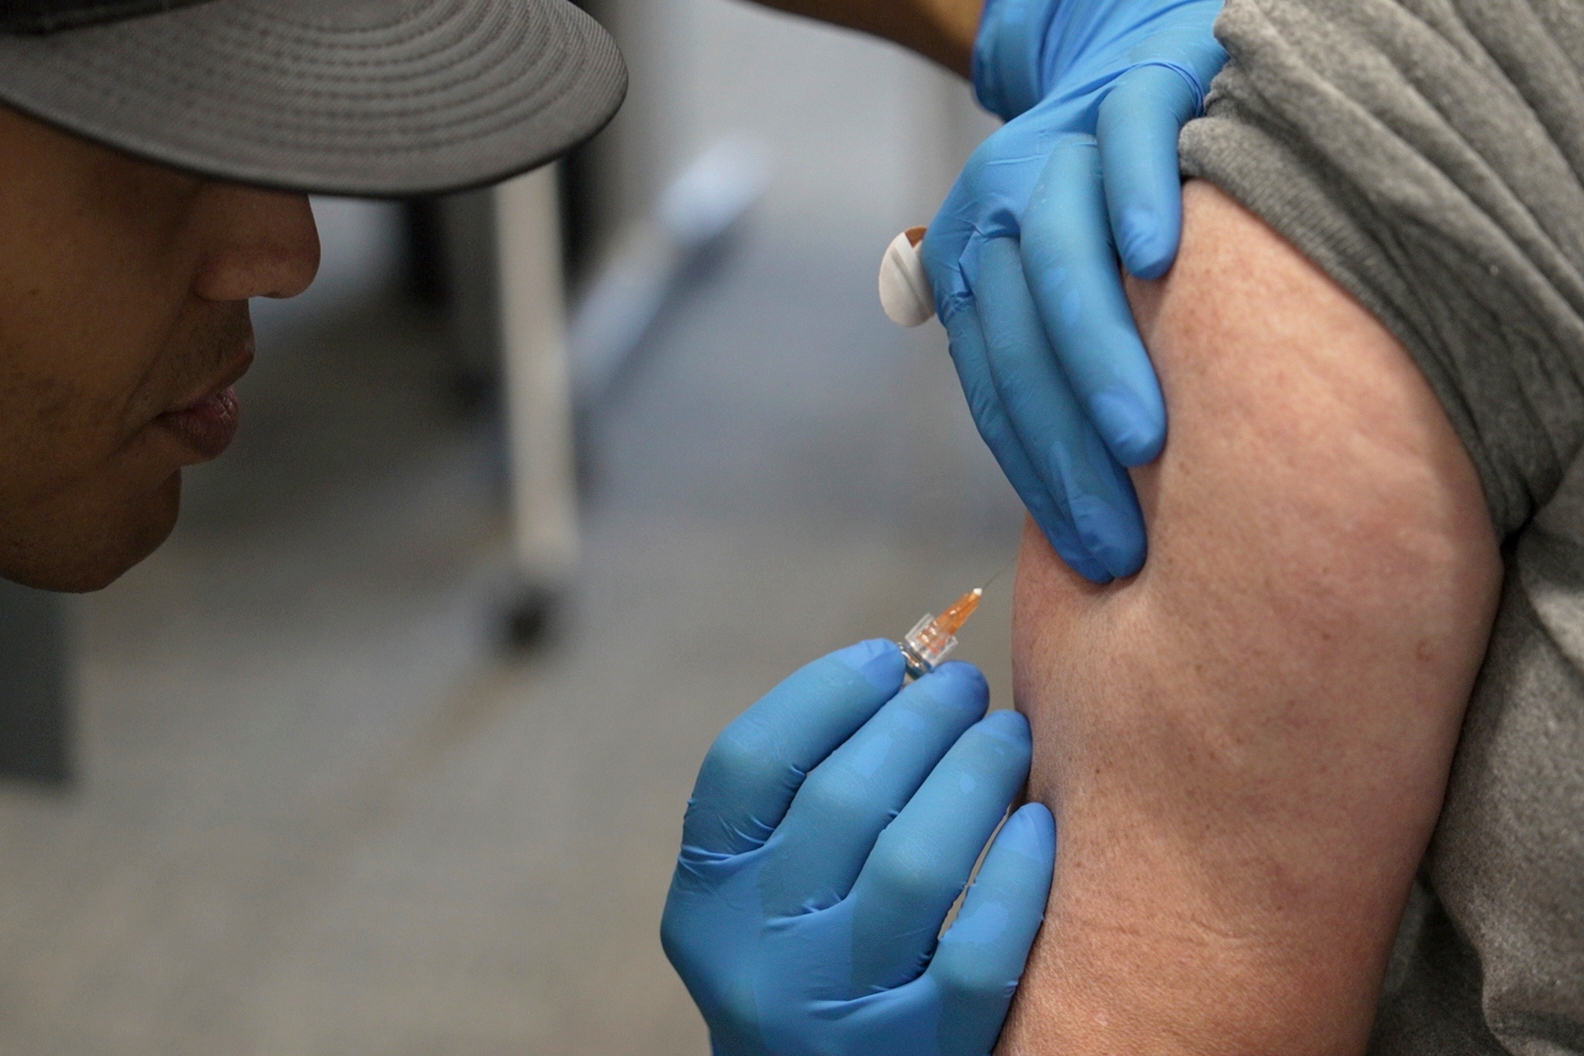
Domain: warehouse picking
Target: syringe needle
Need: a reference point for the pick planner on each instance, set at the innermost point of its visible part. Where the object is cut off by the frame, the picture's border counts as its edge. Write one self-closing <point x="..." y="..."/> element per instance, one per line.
<point x="1011" y="563"/>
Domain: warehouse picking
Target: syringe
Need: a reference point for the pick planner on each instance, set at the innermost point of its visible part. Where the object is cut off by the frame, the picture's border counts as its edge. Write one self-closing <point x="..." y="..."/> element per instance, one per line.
<point x="933" y="637"/>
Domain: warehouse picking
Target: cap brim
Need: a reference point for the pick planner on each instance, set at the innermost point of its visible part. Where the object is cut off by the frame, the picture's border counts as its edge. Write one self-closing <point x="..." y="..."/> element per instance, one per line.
<point x="380" y="98"/>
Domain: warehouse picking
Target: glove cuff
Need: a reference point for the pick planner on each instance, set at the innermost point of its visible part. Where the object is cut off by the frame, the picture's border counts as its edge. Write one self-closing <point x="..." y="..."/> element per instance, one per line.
<point x="1007" y="54"/>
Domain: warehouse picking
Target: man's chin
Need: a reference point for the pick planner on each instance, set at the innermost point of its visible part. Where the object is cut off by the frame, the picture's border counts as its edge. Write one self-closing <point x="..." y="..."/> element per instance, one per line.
<point x="85" y="554"/>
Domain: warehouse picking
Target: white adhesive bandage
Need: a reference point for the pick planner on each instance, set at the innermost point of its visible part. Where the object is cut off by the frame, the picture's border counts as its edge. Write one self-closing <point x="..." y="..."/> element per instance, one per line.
<point x="905" y="291"/>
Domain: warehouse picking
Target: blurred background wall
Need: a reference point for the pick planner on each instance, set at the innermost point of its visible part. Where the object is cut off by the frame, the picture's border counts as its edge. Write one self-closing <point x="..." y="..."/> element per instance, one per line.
<point x="316" y="805"/>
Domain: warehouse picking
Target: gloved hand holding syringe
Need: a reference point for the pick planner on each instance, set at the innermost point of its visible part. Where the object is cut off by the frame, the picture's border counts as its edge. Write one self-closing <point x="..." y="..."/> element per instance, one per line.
<point x="831" y="829"/>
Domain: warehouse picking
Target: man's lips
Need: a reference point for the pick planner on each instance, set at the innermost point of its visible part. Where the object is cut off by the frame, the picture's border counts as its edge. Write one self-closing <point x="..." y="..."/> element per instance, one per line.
<point x="207" y="426"/>
<point x="208" y="423"/>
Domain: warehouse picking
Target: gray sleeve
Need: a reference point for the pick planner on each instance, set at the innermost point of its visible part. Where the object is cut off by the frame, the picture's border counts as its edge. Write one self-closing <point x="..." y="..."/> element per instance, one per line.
<point x="1427" y="155"/>
<point x="1491" y="957"/>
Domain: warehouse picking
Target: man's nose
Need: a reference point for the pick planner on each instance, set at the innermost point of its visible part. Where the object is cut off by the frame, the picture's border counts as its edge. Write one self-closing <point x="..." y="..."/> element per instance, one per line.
<point x="255" y="243"/>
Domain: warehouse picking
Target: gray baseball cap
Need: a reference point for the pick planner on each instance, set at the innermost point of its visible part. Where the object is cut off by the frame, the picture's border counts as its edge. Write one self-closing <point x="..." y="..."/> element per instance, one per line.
<point x="359" y="97"/>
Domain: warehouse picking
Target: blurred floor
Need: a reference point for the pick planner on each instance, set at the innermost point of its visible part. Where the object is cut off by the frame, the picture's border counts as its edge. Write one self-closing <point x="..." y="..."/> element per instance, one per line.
<point x="319" y="814"/>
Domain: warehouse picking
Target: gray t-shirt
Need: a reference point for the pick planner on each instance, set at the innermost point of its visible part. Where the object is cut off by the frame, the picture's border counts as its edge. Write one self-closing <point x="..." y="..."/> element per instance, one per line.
<point x="1429" y="156"/>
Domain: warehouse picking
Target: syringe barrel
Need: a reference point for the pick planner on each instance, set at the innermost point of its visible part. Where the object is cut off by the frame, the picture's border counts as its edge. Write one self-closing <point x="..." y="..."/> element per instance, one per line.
<point x="925" y="647"/>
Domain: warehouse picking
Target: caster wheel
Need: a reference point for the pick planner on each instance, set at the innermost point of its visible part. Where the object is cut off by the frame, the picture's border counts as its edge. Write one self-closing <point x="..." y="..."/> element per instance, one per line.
<point x="528" y="619"/>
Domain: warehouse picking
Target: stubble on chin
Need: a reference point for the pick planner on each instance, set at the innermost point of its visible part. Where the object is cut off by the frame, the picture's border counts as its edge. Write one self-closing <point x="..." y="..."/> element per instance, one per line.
<point x="88" y="487"/>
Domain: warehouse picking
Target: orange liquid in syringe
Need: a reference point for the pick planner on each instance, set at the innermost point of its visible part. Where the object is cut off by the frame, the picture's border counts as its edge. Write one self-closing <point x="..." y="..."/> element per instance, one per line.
<point x="949" y="622"/>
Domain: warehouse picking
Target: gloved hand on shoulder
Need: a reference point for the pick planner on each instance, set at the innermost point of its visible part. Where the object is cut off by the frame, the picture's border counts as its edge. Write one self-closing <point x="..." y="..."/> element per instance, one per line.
<point x="1023" y="255"/>
<point x="831" y="828"/>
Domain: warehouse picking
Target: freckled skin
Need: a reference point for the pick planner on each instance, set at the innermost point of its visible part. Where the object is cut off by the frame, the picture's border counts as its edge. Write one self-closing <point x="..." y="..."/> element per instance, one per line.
<point x="123" y="295"/>
<point x="1246" y="745"/>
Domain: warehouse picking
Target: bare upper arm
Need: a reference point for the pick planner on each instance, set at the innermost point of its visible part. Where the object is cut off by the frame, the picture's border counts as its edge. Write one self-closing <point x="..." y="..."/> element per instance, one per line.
<point x="942" y="30"/>
<point x="1246" y="745"/>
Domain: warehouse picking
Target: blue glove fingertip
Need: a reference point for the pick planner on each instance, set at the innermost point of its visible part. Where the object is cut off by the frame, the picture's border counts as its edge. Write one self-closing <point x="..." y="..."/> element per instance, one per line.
<point x="1134" y="432"/>
<point x="957" y="682"/>
<point x="1115" y="537"/>
<point x="1031" y="832"/>
<point x="1009" y="726"/>
<point x="877" y="659"/>
<point x="1146" y="246"/>
<point x="1076" y="557"/>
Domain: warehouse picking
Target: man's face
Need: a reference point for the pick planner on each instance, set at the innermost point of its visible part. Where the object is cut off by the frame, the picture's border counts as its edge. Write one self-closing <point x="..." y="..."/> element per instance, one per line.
<point x="123" y="324"/>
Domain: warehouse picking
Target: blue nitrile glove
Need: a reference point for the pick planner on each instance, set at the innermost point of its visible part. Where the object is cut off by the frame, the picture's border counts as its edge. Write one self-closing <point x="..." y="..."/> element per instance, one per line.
<point x="1023" y="255"/>
<point x="831" y="828"/>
